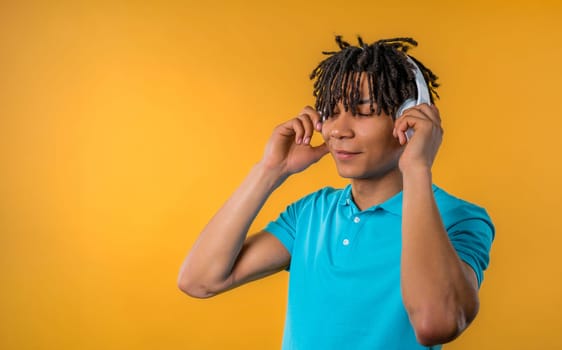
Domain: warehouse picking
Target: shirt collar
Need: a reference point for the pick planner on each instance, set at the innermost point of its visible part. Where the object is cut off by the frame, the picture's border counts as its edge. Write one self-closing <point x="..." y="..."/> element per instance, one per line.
<point x="392" y="205"/>
<point x="345" y="198"/>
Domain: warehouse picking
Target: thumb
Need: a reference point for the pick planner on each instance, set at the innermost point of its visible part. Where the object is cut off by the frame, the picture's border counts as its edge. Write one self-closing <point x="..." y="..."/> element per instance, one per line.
<point x="319" y="151"/>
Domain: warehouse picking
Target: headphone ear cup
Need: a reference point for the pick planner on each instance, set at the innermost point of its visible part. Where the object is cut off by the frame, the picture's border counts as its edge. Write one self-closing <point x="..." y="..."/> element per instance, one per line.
<point x="422" y="96"/>
<point x="409" y="103"/>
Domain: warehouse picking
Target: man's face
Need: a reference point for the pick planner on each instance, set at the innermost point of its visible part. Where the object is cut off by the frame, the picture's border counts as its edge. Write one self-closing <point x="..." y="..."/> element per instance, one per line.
<point x="363" y="146"/>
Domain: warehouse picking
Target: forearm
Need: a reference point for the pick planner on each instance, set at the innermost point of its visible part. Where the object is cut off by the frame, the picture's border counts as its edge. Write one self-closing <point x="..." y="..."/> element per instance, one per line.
<point x="210" y="262"/>
<point x="436" y="289"/>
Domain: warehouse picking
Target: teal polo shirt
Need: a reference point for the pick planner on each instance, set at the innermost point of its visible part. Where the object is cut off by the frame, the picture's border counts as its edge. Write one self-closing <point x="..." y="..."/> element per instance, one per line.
<point x="344" y="282"/>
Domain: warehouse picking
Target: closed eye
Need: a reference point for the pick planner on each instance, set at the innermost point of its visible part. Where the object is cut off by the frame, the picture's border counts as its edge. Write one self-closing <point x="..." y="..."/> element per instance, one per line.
<point x="365" y="114"/>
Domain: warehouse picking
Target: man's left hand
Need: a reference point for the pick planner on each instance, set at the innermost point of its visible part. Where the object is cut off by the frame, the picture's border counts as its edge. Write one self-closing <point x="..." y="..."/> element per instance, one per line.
<point x="421" y="149"/>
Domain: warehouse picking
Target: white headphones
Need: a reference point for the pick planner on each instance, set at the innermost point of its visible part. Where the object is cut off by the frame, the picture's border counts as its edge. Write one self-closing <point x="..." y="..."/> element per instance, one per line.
<point x="423" y="95"/>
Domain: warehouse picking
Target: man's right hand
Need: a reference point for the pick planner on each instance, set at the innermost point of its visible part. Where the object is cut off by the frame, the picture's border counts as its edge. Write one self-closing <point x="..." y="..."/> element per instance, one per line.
<point x="222" y="258"/>
<point x="288" y="150"/>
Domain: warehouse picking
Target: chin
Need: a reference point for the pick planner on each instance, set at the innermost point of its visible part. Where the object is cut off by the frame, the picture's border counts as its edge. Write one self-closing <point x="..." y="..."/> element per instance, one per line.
<point x="363" y="174"/>
<point x="352" y="174"/>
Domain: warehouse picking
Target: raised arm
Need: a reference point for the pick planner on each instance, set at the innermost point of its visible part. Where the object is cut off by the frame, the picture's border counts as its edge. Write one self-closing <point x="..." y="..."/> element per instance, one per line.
<point x="439" y="290"/>
<point x="222" y="257"/>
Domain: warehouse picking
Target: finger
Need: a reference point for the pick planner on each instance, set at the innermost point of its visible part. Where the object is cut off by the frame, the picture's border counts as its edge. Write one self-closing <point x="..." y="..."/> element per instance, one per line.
<point x="296" y="125"/>
<point x="395" y="132"/>
<point x="404" y="123"/>
<point x="306" y="121"/>
<point x="415" y="111"/>
<point x="431" y="111"/>
<point x="315" y="116"/>
<point x="426" y="111"/>
<point x="401" y="137"/>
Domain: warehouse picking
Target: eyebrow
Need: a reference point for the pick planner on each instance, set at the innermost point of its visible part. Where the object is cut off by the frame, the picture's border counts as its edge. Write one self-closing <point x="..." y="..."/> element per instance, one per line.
<point x="364" y="102"/>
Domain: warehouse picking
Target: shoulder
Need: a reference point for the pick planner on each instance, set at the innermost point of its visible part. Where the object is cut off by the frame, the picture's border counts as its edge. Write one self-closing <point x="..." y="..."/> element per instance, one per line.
<point x="455" y="210"/>
<point x="311" y="205"/>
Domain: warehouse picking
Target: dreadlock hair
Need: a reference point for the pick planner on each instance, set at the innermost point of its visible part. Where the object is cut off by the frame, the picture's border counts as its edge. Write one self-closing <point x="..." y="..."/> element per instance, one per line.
<point x="391" y="79"/>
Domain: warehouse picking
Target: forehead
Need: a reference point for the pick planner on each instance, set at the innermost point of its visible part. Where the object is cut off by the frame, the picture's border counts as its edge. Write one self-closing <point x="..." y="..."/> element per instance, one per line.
<point x="349" y="90"/>
<point x="352" y="80"/>
<point x="358" y="92"/>
<point x="364" y="85"/>
<point x="357" y="86"/>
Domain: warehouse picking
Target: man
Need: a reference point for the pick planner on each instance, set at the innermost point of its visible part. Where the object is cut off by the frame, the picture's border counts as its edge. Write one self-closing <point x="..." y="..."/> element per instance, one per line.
<point x="389" y="262"/>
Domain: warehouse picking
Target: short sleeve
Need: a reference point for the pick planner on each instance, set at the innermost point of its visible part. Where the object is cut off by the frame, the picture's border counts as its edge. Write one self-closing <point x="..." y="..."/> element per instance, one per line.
<point x="471" y="232"/>
<point x="284" y="227"/>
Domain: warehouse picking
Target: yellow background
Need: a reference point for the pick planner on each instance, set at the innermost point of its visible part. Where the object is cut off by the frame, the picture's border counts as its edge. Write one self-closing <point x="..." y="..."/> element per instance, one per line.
<point x="125" y="125"/>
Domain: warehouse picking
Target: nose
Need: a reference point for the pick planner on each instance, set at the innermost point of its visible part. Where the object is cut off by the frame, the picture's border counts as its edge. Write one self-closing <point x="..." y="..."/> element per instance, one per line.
<point x="339" y="126"/>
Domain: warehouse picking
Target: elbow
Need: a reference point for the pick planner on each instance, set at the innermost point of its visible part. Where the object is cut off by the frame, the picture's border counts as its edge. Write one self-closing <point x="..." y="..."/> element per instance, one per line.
<point x="194" y="291"/>
<point x="434" y="328"/>
<point x="431" y="330"/>
<point x="438" y="323"/>
<point x="193" y="288"/>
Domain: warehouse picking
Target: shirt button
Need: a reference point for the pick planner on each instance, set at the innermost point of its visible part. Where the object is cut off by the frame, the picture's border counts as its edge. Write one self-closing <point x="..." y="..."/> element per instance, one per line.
<point x="345" y="242"/>
<point x="356" y="219"/>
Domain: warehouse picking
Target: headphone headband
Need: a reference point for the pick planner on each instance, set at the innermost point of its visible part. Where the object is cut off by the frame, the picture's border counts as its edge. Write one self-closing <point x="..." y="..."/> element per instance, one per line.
<point x="423" y="92"/>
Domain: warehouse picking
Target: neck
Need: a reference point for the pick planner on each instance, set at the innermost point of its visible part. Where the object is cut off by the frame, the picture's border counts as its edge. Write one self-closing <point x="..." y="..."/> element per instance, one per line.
<point x="369" y="192"/>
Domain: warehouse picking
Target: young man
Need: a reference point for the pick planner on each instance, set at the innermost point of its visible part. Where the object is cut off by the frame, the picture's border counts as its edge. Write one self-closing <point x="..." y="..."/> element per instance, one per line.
<point x="389" y="262"/>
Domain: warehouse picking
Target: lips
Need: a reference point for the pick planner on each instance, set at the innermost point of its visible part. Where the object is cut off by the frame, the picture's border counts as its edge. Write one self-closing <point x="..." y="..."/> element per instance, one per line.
<point x="345" y="154"/>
